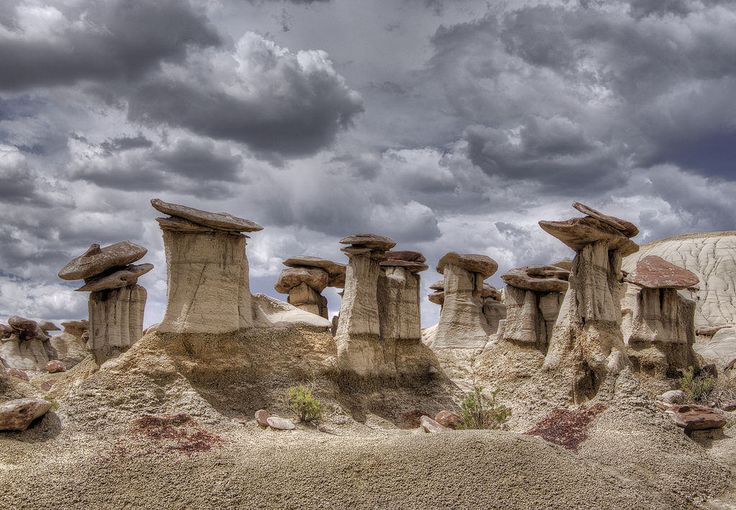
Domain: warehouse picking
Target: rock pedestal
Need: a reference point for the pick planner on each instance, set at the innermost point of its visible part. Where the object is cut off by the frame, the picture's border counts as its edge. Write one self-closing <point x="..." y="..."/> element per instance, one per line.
<point x="659" y="322"/>
<point x="208" y="286"/>
<point x="305" y="278"/>
<point x="358" y="331"/>
<point x="533" y="297"/>
<point x="494" y="308"/>
<point x="116" y="301"/>
<point x="399" y="296"/>
<point x="587" y="342"/>
<point x="462" y="323"/>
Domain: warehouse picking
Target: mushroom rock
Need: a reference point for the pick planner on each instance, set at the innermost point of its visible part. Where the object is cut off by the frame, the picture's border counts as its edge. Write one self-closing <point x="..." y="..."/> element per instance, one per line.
<point x="659" y="322"/>
<point x="25" y="328"/>
<point x="116" y="303"/>
<point x="587" y="342"/>
<point x="75" y="328"/>
<point x="120" y="278"/>
<point x="5" y="331"/>
<point x="399" y="296"/>
<point x="359" y="328"/>
<point x="305" y="278"/>
<point x="24" y="353"/>
<point x="69" y="347"/>
<point x="292" y="276"/>
<point x="533" y="298"/>
<point x="208" y="286"/>
<point x="462" y="324"/>
<point x="494" y="309"/>
<point x="48" y="326"/>
<point x="96" y="260"/>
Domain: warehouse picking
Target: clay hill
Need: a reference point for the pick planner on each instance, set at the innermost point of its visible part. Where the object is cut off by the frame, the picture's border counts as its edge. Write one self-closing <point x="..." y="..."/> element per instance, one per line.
<point x="580" y="384"/>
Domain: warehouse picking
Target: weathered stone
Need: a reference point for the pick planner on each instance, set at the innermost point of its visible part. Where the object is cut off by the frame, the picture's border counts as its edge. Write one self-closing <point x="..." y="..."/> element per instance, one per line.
<point x="28" y="354"/>
<point x="292" y="276"/>
<point x="438" y="285"/>
<point x="54" y="366"/>
<point x="337" y="281"/>
<point x="406" y="255"/>
<point x="17" y="373"/>
<point x="693" y="417"/>
<point x="398" y="300"/>
<point x="304" y="297"/>
<point x="208" y="287"/>
<point x="184" y="226"/>
<point x="48" y="326"/>
<point x="75" y="328"/>
<point x="97" y="260"/>
<point x="580" y="232"/>
<point x="115" y="320"/>
<point x="27" y="328"/>
<point x="537" y="278"/>
<point x="625" y="227"/>
<point x="20" y="413"/>
<point x="489" y="291"/>
<point x="262" y="418"/>
<point x="5" y="331"/>
<point x="462" y="324"/>
<point x="371" y="241"/>
<point x="712" y="330"/>
<point x="494" y="311"/>
<point x="278" y="423"/>
<point x="565" y="264"/>
<point x="654" y="272"/>
<point x="448" y="419"/>
<point x="332" y="268"/>
<point x="437" y="298"/>
<point x="67" y="348"/>
<point x="473" y="263"/>
<point x="429" y="425"/>
<point x="218" y="221"/>
<point x="673" y="397"/>
<point x="414" y="267"/>
<point x="121" y="278"/>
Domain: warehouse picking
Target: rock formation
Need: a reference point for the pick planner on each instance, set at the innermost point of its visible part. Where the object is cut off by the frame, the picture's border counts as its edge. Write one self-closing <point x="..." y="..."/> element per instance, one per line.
<point x="208" y="286"/>
<point x="24" y="345"/>
<point x="116" y="301"/>
<point x="399" y="295"/>
<point x="587" y="343"/>
<point x="533" y="297"/>
<point x="305" y="278"/>
<point x="494" y="308"/>
<point x="358" y="331"/>
<point x="463" y="324"/>
<point x="658" y="322"/>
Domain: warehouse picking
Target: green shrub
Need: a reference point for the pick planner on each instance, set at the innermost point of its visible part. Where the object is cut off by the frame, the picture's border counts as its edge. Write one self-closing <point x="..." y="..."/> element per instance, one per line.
<point x="304" y="404"/>
<point x="481" y="412"/>
<point x="697" y="387"/>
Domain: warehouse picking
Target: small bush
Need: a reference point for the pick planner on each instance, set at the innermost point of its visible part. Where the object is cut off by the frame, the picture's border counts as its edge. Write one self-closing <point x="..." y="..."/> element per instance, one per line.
<point x="53" y="402"/>
<point x="481" y="412"/>
<point x="304" y="404"/>
<point x="697" y="387"/>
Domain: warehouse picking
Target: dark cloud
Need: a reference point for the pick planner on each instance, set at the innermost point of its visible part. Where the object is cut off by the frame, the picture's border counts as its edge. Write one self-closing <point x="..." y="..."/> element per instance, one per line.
<point x="278" y="103"/>
<point x="124" y="143"/>
<point x="60" y="43"/>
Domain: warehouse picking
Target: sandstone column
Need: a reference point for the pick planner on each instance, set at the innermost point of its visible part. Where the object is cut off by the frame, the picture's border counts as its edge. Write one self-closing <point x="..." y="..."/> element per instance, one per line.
<point x="587" y="342"/>
<point x="658" y="322"/>
<point x="358" y="331"/>
<point x="116" y="302"/>
<point x="305" y="278"/>
<point x="533" y="297"/>
<point x="208" y="286"/>
<point x="462" y="323"/>
<point x="399" y="296"/>
<point x="494" y="308"/>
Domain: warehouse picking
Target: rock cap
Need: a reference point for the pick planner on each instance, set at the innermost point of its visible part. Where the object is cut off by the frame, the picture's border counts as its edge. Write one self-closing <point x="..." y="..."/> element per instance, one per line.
<point x="97" y="260"/>
<point x="332" y="268"/>
<point x="654" y="272"/>
<point x="407" y="255"/>
<point x="579" y="232"/>
<point x="625" y="227"/>
<point x="121" y="278"/>
<point x="48" y="326"/>
<point x="370" y="241"/>
<point x="215" y="220"/>
<point x="438" y="285"/>
<point x="474" y="263"/>
<point x="412" y="267"/>
<point x="538" y="278"/>
<point x="291" y="277"/>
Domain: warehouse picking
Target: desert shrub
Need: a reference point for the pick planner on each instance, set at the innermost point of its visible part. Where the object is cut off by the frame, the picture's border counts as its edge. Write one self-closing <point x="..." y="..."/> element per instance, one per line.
<point x="724" y="390"/>
<point x="481" y="412"/>
<point x="306" y="406"/>
<point x="697" y="387"/>
<point x="53" y="402"/>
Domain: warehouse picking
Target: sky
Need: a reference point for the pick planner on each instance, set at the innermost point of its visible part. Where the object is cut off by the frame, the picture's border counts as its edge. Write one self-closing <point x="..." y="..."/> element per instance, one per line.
<point x="448" y="125"/>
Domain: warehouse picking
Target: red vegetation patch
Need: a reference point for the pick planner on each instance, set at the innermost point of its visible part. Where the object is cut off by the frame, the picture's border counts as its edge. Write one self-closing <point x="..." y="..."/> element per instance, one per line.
<point x="567" y="427"/>
<point x="180" y="431"/>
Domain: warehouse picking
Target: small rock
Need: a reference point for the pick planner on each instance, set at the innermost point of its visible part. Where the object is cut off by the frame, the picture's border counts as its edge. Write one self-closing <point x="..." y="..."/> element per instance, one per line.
<point x="19" y="414"/>
<point x="429" y="425"/>
<point x="448" y="419"/>
<point x="673" y="397"/>
<point x="278" y="423"/>
<point x="262" y="418"/>
<point x="729" y="406"/>
<point x="55" y="366"/>
<point x="18" y="374"/>
<point x="692" y="417"/>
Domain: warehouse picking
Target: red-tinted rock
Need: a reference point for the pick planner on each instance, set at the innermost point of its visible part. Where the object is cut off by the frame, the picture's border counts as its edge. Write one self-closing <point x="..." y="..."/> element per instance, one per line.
<point x="579" y="232"/>
<point x="19" y="414"/>
<point x="18" y="374"/>
<point x="654" y="272"/>
<point x="448" y="419"/>
<point x="406" y="255"/>
<point x="538" y="278"/>
<point x="262" y="418"/>
<point x="692" y="417"/>
<point x="429" y="425"/>
<point x="55" y="366"/>
<point x="625" y="227"/>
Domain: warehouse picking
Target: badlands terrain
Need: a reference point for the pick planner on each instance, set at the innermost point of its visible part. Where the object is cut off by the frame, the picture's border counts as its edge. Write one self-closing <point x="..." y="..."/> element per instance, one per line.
<point x="581" y="364"/>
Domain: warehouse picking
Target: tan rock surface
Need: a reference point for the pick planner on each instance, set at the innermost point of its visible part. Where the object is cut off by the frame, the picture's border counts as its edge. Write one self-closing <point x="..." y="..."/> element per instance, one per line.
<point x="399" y="305"/>
<point x="97" y="260"/>
<point x="19" y="414"/>
<point x="115" y="320"/>
<point x="291" y="277"/>
<point x="219" y="221"/>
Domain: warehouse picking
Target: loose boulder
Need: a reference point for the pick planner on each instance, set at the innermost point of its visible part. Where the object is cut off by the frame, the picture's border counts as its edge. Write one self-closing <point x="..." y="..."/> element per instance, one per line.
<point x="20" y="413"/>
